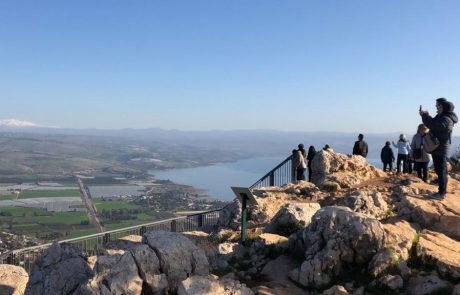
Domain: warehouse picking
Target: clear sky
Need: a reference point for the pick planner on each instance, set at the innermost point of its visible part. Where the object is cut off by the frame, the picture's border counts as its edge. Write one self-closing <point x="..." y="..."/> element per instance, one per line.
<point x="362" y="66"/>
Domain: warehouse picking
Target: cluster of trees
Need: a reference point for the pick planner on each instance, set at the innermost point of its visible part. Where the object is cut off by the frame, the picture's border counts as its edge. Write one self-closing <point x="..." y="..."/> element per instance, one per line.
<point x="124" y="213"/>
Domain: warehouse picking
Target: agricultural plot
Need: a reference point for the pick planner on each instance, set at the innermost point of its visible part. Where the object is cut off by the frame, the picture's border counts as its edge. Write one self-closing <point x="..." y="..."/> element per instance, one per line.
<point x="29" y="194"/>
<point x="47" y="225"/>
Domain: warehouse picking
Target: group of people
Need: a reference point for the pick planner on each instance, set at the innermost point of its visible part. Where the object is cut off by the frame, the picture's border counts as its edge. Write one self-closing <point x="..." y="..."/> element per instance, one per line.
<point x="415" y="153"/>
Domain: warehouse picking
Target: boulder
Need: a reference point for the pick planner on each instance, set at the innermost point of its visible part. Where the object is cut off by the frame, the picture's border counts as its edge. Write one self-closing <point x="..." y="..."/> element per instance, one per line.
<point x="343" y="169"/>
<point x="399" y="236"/>
<point x="60" y="270"/>
<point x="203" y="241"/>
<point x="212" y="285"/>
<point x="392" y="282"/>
<point x="179" y="257"/>
<point x="336" y="239"/>
<point x="13" y="280"/>
<point x="292" y="218"/>
<point x="149" y="269"/>
<point x="440" y="250"/>
<point x="335" y="290"/>
<point x="269" y="244"/>
<point x="367" y="202"/>
<point x="426" y="285"/>
<point x="230" y="216"/>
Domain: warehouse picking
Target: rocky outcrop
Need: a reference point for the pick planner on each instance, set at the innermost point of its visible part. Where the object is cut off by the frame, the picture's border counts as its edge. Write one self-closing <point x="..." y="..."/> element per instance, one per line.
<point x="426" y="285"/>
<point x="179" y="257"/>
<point x="60" y="270"/>
<point x="336" y="240"/>
<point x="434" y="248"/>
<point x="370" y="203"/>
<point x="442" y="216"/>
<point x="13" y="280"/>
<point x="210" y="285"/>
<point x="292" y="218"/>
<point x="342" y="169"/>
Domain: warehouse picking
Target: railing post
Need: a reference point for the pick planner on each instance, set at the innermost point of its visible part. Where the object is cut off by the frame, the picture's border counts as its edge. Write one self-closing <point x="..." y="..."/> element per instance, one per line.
<point x="106" y="238"/>
<point x="272" y="178"/>
<point x="173" y="226"/>
<point x="200" y="220"/>
<point x="293" y="172"/>
<point x="142" y="230"/>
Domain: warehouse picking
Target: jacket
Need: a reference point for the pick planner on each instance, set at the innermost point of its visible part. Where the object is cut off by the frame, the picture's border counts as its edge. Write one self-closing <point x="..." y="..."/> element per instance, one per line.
<point x="360" y="148"/>
<point x="403" y="147"/>
<point x="387" y="155"/>
<point x="441" y="126"/>
<point x="417" y="143"/>
<point x="298" y="161"/>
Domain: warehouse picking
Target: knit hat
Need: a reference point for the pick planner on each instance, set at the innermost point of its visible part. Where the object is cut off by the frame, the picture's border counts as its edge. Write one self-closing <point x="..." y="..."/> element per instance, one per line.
<point x="447" y="106"/>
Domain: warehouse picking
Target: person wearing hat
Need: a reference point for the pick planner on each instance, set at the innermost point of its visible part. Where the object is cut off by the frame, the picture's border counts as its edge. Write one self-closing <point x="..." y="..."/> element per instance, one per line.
<point x="387" y="157"/>
<point x="441" y="126"/>
<point x="403" y="147"/>
<point x="360" y="148"/>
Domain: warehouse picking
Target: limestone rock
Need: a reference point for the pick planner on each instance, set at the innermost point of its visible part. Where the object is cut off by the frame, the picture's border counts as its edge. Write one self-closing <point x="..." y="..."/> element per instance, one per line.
<point x="230" y="216"/>
<point x="425" y="285"/>
<point x="13" y="279"/>
<point x="211" y="285"/>
<point x="291" y="218"/>
<point x="179" y="257"/>
<point x="442" y="216"/>
<point x="392" y="282"/>
<point x="337" y="238"/>
<point x="456" y="290"/>
<point x="367" y="202"/>
<point x="438" y="249"/>
<point x="269" y="244"/>
<point x="332" y="166"/>
<point x="60" y="270"/>
<point x="202" y="240"/>
<point x="336" y="290"/>
<point x="149" y="268"/>
<point x="399" y="236"/>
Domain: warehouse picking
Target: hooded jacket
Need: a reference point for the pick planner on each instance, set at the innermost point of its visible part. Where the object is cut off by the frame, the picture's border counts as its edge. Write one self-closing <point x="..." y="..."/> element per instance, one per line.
<point x="441" y="126"/>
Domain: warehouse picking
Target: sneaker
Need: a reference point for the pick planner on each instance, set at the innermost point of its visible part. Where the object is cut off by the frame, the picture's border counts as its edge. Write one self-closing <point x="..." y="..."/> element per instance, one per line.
<point x="438" y="196"/>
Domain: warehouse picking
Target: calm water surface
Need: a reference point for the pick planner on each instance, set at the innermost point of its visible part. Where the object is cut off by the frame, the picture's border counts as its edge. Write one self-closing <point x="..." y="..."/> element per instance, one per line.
<point x="217" y="179"/>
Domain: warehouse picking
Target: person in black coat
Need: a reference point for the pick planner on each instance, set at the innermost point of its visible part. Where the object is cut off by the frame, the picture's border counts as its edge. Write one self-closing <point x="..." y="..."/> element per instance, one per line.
<point x="387" y="157"/>
<point x="360" y="148"/>
<point x="441" y="126"/>
<point x="310" y="155"/>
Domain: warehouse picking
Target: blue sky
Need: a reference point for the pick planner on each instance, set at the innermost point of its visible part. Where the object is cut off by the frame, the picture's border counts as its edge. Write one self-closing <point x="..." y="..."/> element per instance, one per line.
<point x="353" y="66"/>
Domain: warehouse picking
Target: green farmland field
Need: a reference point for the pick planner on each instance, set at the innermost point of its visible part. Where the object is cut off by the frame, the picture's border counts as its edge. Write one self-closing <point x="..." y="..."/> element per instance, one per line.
<point x="114" y="205"/>
<point x="29" y="194"/>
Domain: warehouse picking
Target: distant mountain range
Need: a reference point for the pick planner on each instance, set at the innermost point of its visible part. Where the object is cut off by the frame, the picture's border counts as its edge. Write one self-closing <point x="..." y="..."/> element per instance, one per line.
<point x="246" y="143"/>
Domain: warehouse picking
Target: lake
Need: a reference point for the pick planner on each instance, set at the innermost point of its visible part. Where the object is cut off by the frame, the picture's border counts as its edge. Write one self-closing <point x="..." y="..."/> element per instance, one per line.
<point x="217" y="179"/>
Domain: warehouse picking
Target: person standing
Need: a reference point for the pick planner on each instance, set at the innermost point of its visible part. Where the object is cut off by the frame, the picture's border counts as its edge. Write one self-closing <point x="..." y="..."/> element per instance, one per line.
<point x="403" y="152"/>
<point x="420" y="156"/>
<point x="387" y="157"/>
<point x="441" y="126"/>
<point x="360" y="148"/>
<point x="302" y="150"/>
<point x="310" y="155"/>
<point x="298" y="162"/>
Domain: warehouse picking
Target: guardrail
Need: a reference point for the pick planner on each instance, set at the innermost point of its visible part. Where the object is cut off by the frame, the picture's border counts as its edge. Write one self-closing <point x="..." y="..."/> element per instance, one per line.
<point x="280" y="175"/>
<point x="94" y="244"/>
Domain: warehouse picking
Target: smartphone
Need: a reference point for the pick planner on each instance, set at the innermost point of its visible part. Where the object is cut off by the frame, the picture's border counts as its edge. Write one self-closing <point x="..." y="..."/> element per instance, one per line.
<point x="420" y="108"/>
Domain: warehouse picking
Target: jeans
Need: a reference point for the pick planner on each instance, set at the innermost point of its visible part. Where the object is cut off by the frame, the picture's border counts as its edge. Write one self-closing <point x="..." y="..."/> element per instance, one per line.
<point x="309" y="173"/>
<point x="390" y="166"/>
<point x="440" y="167"/>
<point x="300" y="174"/>
<point x="401" y="159"/>
<point x="422" y="170"/>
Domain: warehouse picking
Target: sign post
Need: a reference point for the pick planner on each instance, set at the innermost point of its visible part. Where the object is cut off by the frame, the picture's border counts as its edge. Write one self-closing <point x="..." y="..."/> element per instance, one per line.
<point x="246" y="197"/>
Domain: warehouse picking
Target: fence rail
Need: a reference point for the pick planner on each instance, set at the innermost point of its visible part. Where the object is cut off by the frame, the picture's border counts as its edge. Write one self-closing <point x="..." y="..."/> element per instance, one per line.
<point x="94" y="244"/>
<point x="280" y="175"/>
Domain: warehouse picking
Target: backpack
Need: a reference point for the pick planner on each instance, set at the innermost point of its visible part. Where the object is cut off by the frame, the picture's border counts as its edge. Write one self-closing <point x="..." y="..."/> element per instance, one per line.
<point x="430" y="142"/>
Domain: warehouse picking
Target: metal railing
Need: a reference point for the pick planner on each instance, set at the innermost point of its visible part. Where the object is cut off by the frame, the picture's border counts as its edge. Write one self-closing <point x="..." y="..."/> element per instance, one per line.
<point x="95" y="244"/>
<point x="280" y="175"/>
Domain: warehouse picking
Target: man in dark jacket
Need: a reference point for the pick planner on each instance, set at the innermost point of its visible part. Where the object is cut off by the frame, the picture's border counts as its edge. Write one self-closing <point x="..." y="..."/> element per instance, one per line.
<point x="441" y="126"/>
<point x="387" y="157"/>
<point x="360" y="147"/>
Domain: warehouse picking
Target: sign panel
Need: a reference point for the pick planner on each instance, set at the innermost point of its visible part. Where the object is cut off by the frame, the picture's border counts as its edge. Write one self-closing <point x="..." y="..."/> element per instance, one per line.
<point x="244" y="192"/>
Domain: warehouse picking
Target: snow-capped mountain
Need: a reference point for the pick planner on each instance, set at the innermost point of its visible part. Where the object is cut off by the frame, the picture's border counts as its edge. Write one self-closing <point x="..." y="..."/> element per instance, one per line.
<point x="17" y="123"/>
